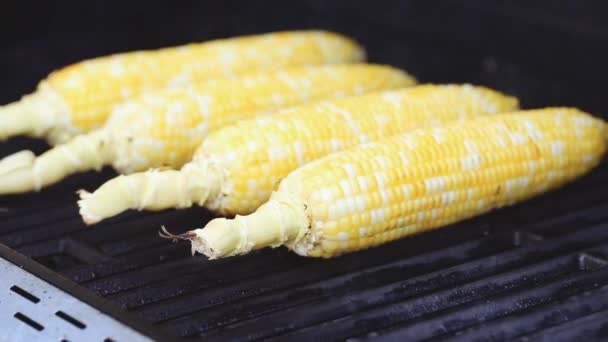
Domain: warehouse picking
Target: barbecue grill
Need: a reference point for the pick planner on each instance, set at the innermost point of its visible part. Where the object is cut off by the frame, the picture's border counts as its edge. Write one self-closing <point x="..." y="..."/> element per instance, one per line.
<point x="535" y="271"/>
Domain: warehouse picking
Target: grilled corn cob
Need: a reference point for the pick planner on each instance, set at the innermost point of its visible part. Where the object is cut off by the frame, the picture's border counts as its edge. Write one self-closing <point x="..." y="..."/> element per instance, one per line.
<point x="79" y="98"/>
<point x="407" y="184"/>
<point x="164" y="129"/>
<point x="236" y="168"/>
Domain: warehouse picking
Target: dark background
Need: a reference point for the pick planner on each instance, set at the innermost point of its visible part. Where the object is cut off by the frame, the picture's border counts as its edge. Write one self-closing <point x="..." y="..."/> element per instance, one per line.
<point x="546" y="52"/>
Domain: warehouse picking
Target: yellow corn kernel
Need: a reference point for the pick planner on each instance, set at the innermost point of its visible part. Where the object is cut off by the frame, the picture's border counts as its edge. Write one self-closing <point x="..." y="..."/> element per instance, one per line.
<point x="164" y="128"/>
<point x="463" y="170"/>
<point x="237" y="167"/>
<point x="79" y="98"/>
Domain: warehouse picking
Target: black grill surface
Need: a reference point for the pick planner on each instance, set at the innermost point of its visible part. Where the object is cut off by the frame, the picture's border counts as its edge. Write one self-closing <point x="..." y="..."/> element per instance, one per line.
<point x="533" y="271"/>
<point x="537" y="268"/>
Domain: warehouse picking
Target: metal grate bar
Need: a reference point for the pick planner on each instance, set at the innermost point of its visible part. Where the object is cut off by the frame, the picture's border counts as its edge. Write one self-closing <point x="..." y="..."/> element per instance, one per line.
<point x="399" y="302"/>
<point x="541" y="317"/>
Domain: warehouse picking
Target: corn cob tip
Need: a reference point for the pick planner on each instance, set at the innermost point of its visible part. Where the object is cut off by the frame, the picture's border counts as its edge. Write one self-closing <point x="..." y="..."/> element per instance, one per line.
<point x="17" y="173"/>
<point x="280" y="221"/>
<point x="154" y="189"/>
<point x="14" y="118"/>
<point x="41" y="113"/>
<point x="87" y="217"/>
<point x="24" y="172"/>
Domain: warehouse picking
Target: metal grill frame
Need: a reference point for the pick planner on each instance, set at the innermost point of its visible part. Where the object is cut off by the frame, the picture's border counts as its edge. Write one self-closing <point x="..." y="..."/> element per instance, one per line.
<point x="52" y="284"/>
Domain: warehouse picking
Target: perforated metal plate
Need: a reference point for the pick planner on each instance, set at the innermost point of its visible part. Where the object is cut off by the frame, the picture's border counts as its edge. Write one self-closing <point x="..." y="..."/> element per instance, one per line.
<point x="34" y="310"/>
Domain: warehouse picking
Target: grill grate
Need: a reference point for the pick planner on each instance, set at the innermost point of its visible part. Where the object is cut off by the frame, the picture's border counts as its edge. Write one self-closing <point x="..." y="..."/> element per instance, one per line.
<point x="526" y="270"/>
